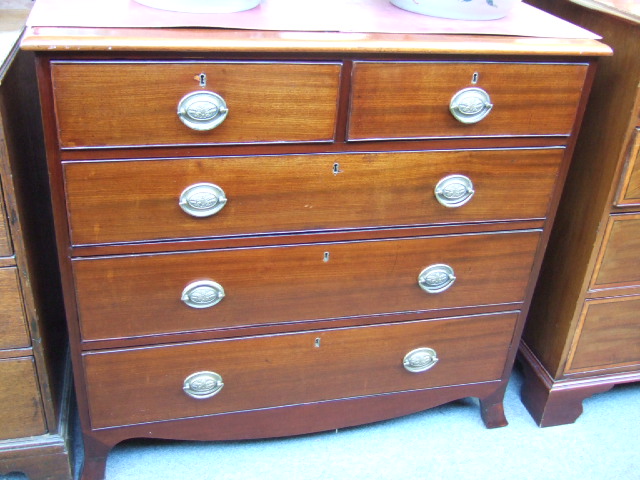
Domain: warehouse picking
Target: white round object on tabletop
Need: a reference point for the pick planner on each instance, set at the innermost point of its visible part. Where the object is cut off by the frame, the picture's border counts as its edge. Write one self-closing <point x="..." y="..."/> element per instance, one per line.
<point x="201" y="6"/>
<point x="459" y="9"/>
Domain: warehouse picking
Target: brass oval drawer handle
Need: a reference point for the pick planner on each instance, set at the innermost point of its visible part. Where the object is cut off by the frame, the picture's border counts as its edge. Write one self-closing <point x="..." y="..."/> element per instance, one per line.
<point x="470" y="105"/>
<point x="201" y="385"/>
<point x="202" y="199"/>
<point x="454" y="191"/>
<point x="202" y="294"/>
<point x="202" y="110"/>
<point x="420" y="360"/>
<point x="436" y="278"/>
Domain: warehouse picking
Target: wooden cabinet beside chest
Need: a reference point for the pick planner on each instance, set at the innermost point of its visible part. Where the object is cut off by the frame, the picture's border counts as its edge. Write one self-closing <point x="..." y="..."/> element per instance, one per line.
<point x="339" y="244"/>
<point x="583" y="331"/>
<point x="35" y="380"/>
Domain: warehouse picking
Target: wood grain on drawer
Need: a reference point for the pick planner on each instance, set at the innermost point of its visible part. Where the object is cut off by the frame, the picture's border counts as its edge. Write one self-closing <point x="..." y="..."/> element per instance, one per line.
<point x="13" y="329"/>
<point x="135" y="103"/>
<point x="6" y="247"/>
<point x="629" y="193"/>
<point x="618" y="260"/>
<point x="411" y="100"/>
<point x="20" y="402"/>
<point x="146" y="384"/>
<point x="141" y="295"/>
<point x="122" y="201"/>
<point x="608" y="335"/>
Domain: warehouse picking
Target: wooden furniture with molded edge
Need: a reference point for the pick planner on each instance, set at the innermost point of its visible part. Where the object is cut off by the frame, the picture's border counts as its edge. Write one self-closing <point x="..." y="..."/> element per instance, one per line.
<point x="361" y="256"/>
<point x="582" y="334"/>
<point x="35" y="381"/>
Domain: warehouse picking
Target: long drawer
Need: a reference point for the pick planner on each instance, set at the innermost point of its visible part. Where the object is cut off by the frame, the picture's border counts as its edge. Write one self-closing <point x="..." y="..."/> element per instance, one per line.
<point x="608" y="335"/>
<point x="618" y="261"/>
<point x="21" y="410"/>
<point x="152" y="294"/>
<point x="125" y="201"/>
<point x="177" y="381"/>
<point x="136" y="103"/>
<point x="414" y="99"/>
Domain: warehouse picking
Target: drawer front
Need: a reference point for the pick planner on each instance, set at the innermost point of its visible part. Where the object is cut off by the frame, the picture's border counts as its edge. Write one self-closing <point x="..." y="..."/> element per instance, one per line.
<point x="412" y="100"/>
<point x="126" y="201"/>
<point x="20" y="402"/>
<point x="142" y="295"/>
<point x="6" y="247"/>
<point x="609" y="335"/>
<point x="629" y="194"/>
<point x="121" y="103"/>
<point x="618" y="262"/>
<point x="146" y="384"/>
<point x="13" y="328"/>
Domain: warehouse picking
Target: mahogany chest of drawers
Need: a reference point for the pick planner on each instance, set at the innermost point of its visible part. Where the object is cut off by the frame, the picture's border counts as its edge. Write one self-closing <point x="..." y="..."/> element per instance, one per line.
<point x="583" y="331"/>
<point x="265" y="238"/>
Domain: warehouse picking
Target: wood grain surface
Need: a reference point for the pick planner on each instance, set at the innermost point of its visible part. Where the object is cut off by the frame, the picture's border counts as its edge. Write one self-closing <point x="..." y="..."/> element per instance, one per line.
<point x="6" y="249"/>
<point x="20" y="402"/>
<point x="96" y="40"/>
<point x="411" y="99"/>
<point x="135" y="103"/>
<point x="116" y="202"/>
<point x="629" y="194"/>
<point x="618" y="262"/>
<point x="608" y="335"/>
<point x="13" y="327"/>
<point x="141" y="295"/>
<point x="142" y="385"/>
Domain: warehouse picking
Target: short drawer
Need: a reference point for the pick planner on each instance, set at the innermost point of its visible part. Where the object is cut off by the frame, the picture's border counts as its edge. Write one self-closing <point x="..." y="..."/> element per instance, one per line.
<point x="136" y="103"/>
<point x="6" y="247"/>
<point x="413" y="99"/>
<point x="148" y="384"/>
<point x="13" y="328"/>
<point x="617" y="264"/>
<point x="21" y="412"/>
<point x="125" y="201"/>
<point x="609" y="335"/>
<point x="629" y="194"/>
<point x="155" y="294"/>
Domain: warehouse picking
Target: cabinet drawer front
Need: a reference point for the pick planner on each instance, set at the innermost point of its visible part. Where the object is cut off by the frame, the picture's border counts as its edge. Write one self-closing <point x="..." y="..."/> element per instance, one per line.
<point x="139" y="200"/>
<point x="412" y="100"/>
<point x="146" y="384"/>
<point x="618" y="262"/>
<point x="20" y="403"/>
<point x="13" y="328"/>
<point x="630" y="189"/>
<point x="609" y="335"/>
<point x="136" y="103"/>
<point x="142" y="295"/>
<point x="6" y="247"/>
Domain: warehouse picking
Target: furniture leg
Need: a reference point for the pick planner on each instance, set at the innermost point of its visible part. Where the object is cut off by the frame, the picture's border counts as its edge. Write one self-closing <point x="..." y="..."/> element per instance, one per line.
<point x="95" y="459"/>
<point x="492" y="409"/>
<point x="552" y="404"/>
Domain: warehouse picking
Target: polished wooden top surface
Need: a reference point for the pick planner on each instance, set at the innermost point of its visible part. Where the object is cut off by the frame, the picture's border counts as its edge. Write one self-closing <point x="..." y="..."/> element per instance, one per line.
<point x="236" y="41"/>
